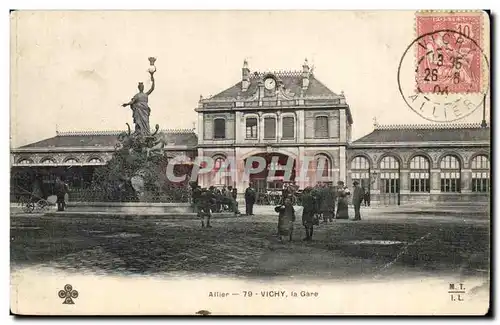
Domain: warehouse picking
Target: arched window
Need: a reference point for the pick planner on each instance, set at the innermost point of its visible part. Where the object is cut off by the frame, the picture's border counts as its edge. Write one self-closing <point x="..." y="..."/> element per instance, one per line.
<point x="321" y="127"/>
<point x="389" y="178"/>
<point x="389" y="162"/>
<point x="219" y="128"/>
<point x="251" y="128"/>
<point x="450" y="174"/>
<point x="48" y="161"/>
<point x="219" y="173"/>
<point x="480" y="174"/>
<point x="323" y="168"/>
<point x="360" y="162"/>
<point x="95" y="161"/>
<point x="360" y="171"/>
<point x="24" y="161"/>
<point x="269" y="127"/>
<point x="71" y="161"/>
<point x="420" y="174"/>
<point x="288" y="127"/>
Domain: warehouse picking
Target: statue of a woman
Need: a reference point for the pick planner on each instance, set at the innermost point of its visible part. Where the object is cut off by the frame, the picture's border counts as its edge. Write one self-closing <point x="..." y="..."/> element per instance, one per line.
<point x="140" y="108"/>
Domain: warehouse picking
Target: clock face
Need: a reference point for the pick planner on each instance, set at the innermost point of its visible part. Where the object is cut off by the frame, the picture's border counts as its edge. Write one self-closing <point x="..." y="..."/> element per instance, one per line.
<point x="269" y="83"/>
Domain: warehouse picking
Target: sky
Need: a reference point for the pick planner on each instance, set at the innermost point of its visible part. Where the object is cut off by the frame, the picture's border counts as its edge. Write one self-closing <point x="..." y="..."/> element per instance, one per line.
<point x="71" y="71"/>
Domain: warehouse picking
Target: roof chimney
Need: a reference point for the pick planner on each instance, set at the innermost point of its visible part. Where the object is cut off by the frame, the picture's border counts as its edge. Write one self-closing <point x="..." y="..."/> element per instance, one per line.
<point x="305" y="75"/>
<point x="245" y="76"/>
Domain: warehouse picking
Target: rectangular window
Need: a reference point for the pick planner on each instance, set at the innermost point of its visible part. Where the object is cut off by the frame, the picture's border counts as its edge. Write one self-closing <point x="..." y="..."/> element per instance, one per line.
<point x="321" y="127"/>
<point x="420" y="185"/>
<point x="288" y="127"/>
<point x="251" y="128"/>
<point x="269" y="128"/>
<point x="390" y="186"/>
<point x="219" y="128"/>
<point x="450" y="182"/>
<point x="480" y="182"/>
<point x="419" y="182"/>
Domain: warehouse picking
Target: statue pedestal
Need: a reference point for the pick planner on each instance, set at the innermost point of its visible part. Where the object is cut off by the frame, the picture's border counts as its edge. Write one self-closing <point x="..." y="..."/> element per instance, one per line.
<point x="137" y="170"/>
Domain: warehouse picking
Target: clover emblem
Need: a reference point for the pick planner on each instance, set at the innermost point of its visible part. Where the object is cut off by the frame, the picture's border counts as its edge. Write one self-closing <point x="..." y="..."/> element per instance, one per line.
<point x="68" y="294"/>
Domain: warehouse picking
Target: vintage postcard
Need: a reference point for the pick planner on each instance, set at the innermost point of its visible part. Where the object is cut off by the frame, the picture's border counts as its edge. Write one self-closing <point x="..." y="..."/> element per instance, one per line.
<point x="250" y="163"/>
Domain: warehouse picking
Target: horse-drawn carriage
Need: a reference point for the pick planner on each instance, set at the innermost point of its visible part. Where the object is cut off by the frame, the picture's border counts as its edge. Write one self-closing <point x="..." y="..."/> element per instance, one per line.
<point x="29" y="202"/>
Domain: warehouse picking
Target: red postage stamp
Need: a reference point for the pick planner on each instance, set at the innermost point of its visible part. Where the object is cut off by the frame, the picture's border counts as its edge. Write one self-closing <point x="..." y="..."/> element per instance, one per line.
<point x="449" y="52"/>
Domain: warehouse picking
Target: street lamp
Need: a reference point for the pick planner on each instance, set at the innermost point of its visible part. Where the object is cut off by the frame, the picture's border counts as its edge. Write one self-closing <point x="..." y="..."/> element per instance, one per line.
<point x="483" y="123"/>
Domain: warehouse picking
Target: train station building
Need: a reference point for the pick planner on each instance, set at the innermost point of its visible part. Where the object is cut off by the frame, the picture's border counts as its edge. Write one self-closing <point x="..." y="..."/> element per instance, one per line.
<point x="291" y="119"/>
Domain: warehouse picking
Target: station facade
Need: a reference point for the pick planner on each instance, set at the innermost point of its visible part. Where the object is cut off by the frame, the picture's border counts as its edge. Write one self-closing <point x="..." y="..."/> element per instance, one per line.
<point x="291" y="119"/>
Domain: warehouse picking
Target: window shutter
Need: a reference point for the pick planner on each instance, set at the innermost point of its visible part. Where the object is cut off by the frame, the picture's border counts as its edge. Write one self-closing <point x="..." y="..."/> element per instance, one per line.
<point x="219" y="128"/>
<point x="288" y="127"/>
<point x="269" y="128"/>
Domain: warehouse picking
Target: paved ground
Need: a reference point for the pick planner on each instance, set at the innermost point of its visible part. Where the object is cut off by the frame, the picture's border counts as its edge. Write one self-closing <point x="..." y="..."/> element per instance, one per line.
<point x="384" y="245"/>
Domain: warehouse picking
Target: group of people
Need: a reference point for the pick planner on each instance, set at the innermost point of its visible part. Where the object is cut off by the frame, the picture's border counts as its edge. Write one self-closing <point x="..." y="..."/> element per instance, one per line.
<point x="321" y="202"/>
<point x="205" y="201"/>
<point x="318" y="203"/>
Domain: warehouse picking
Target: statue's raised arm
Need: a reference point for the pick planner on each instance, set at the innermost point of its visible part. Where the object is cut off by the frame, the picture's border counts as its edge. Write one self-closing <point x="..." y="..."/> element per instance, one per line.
<point x="152" y="84"/>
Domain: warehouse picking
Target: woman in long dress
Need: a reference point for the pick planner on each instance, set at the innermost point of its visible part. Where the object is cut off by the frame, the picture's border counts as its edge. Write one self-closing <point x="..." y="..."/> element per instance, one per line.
<point x="286" y="219"/>
<point x="140" y="108"/>
<point x="342" y="205"/>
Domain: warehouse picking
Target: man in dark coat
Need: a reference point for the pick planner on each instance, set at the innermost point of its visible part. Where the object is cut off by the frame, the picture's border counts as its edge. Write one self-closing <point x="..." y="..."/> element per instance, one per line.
<point x="250" y="196"/>
<point x="308" y="206"/>
<point x="367" y="197"/>
<point x="61" y="189"/>
<point x="331" y="196"/>
<point x="206" y="201"/>
<point x="325" y="202"/>
<point x="357" y="198"/>
<point x="316" y="194"/>
<point x="196" y="193"/>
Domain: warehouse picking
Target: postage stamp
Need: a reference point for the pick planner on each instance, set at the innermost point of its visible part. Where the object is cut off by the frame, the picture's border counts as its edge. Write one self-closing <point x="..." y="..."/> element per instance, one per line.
<point x="443" y="75"/>
<point x="449" y="56"/>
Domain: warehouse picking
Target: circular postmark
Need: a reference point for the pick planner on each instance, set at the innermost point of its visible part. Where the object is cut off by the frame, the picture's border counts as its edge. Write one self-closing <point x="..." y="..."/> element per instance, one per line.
<point x="443" y="76"/>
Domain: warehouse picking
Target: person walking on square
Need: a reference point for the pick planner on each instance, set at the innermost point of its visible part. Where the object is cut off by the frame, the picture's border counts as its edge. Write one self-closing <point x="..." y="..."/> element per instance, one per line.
<point x="196" y="194"/>
<point x="367" y="197"/>
<point x="325" y="202"/>
<point x="357" y="198"/>
<point x="342" y="205"/>
<point x="206" y="202"/>
<point x="308" y="205"/>
<point x="316" y="194"/>
<point x="286" y="218"/>
<point x="331" y="197"/>
<point x="214" y="202"/>
<point x="218" y="196"/>
<point x="250" y="196"/>
<point x="61" y="190"/>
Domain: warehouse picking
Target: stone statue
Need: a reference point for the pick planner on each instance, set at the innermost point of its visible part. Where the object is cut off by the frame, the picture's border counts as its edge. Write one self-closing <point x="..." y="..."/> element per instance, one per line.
<point x="140" y="107"/>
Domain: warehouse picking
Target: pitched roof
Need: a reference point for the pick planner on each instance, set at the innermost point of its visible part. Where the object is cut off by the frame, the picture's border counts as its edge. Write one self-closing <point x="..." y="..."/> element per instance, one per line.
<point x="178" y="137"/>
<point x="426" y="133"/>
<point x="292" y="83"/>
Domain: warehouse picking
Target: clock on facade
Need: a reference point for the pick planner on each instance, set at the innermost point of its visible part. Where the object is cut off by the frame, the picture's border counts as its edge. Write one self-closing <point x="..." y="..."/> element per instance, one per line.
<point x="270" y="83"/>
